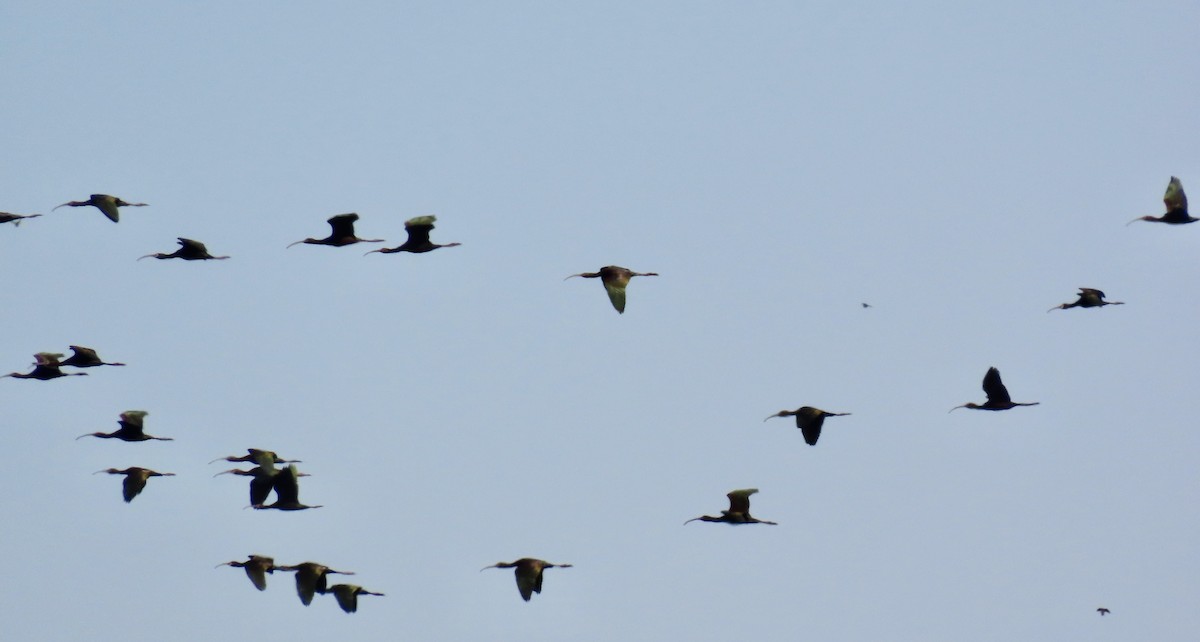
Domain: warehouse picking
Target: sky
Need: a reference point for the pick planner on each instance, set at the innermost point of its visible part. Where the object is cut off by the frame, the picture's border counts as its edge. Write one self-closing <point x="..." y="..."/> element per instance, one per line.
<point x="961" y="168"/>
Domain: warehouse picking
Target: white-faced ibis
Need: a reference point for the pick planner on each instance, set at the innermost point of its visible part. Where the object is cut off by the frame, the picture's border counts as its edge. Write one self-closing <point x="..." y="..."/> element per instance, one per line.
<point x="85" y="358"/>
<point x="809" y="420"/>
<point x="1088" y="298"/>
<point x="131" y="429"/>
<point x="739" y="510"/>
<point x="418" y="237"/>
<point x="46" y="366"/>
<point x="342" y="233"/>
<point x="1103" y="611"/>
<point x="347" y="595"/>
<point x="15" y="219"/>
<point x="997" y="395"/>
<point x="529" y="574"/>
<point x="135" y="479"/>
<point x="311" y="578"/>
<point x="1177" y="209"/>
<point x="264" y="458"/>
<point x="256" y="567"/>
<point x="262" y="481"/>
<point x="104" y="203"/>
<point x="189" y="250"/>
<point x="286" y="483"/>
<point x="614" y="278"/>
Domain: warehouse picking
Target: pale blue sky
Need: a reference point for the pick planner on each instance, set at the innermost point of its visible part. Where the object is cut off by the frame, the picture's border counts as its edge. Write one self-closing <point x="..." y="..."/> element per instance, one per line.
<point x="961" y="168"/>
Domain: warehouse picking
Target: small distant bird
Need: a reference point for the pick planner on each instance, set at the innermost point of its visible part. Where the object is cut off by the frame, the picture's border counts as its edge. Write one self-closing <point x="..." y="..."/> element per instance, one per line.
<point x="614" y="278"/>
<point x="256" y="567"/>
<point x="85" y="358"/>
<point x="135" y="479"/>
<point x="342" y="233"/>
<point x="418" y="237"/>
<point x="347" y="595"/>
<point x="46" y="366"/>
<point x="997" y="395"/>
<point x="809" y="420"/>
<point x="131" y="429"/>
<point x="1177" y="209"/>
<point x="264" y="458"/>
<point x="866" y="305"/>
<point x="189" y="250"/>
<point x="15" y="219"/>
<point x="739" y="510"/>
<point x="529" y="574"/>
<point x="287" y="491"/>
<point x="1103" y="611"/>
<point x="104" y="203"/>
<point x="1088" y="298"/>
<point x="311" y="578"/>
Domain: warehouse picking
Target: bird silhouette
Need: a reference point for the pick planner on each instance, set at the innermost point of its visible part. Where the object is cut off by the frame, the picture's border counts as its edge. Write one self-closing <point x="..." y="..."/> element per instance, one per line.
<point x="46" y="367"/>
<point x="287" y="491"/>
<point x="1177" y="209"/>
<point x="256" y="567"/>
<point x="739" y="510"/>
<point x="347" y="595"/>
<point x="311" y="578"/>
<point x="529" y="574"/>
<point x="418" y="237"/>
<point x="15" y="219"/>
<point x="104" y="203"/>
<point x="85" y="358"/>
<point x="1103" y="611"/>
<point x="809" y="420"/>
<point x="342" y="233"/>
<point x="1088" y="298"/>
<point x="997" y="395"/>
<point x="189" y="250"/>
<point x="130" y="430"/>
<point x="614" y="278"/>
<point x="262" y="481"/>
<point x="135" y="479"/>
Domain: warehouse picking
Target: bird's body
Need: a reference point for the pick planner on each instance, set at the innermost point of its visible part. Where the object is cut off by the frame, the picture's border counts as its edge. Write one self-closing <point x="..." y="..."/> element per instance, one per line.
<point x="1088" y="298"/>
<point x="311" y="578"/>
<point x="15" y="219"/>
<point x="1177" y="208"/>
<point x="135" y="479"/>
<point x="529" y="574"/>
<point x="418" y="242"/>
<point x="809" y="420"/>
<point x="104" y="203"/>
<point x="615" y="278"/>
<point x="256" y="567"/>
<point x="739" y="510"/>
<point x="131" y="429"/>
<point x="1103" y="611"/>
<point x="85" y="358"/>
<point x="189" y="250"/>
<point x="997" y="395"/>
<point x="46" y="366"/>
<point x="341" y="234"/>
<point x="347" y="595"/>
<point x="264" y="458"/>
<point x="286" y="483"/>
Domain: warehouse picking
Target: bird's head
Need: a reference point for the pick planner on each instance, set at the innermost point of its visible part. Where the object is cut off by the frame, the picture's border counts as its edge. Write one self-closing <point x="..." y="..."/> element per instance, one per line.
<point x="782" y="413"/>
<point x="966" y="405"/>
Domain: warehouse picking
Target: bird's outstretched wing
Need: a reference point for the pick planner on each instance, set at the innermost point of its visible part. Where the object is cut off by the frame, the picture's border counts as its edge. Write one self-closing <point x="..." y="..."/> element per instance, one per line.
<point x="994" y="388"/>
<point x="739" y="500"/>
<point x="1175" y="199"/>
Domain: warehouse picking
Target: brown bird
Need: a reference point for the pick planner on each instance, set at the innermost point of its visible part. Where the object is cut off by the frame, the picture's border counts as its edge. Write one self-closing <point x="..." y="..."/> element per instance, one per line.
<point x="311" y="578"/>
<point x="265" y="458"/>
<point x="286" y="483"/>
<point x="189" y="250"/>
<point x="342" y="233"/>
<point x="46" y="366"/>
<point x="1177" y="209"/>
<point x="135" y="479"/>
<point x="347" y="595"/>
<point x="997" y="395"/>
<point x="739" y="510"/>
<point x="104" y="203"/>
<point x="85" y="358"/>
<point x="256" y="567"/>
<point x="1103" y="611"/>
<point x="614" y="278"/>
<point x="809" y="420"/>
<point x="262" y="482"/>
<point x="529" y="574"/>
<point x="418" y="237"/>
<point x="131" y="429"/>
<point x="1088" y="298"/>
<point x="15" y="219"/>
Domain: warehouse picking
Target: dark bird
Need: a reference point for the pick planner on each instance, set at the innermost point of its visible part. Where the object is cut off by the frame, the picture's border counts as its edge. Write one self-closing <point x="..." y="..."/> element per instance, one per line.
<point x="997" y="395"/>
<point x="104" y="203"/>
<point x="342" y="234"/>
<point x="1088" y="298"/>
<point x="1103" y="611"/>
<point x="262" y="482"/>
<point x="286" y="483"/>
<point x="311" y="578"/>
<point x="866" y="305"/>
<point x="418" y="237"/>
<point x="135" y="479"/>
<point x="46" y="366"/>
<point x="189" y="250"/>
<point x="528" y="572"/>
<point x="130" y="430"/>
<point x="347" y="595"/>
<point x="85" y="358"/>
<point x="264" y="458"/>
<point x="809" y="420"/>
<point x="614" y="278"/>
<point x="15" y="219"/>
<point x="739" y="510"/>
<point x="1177" y="209"/>
<point x="256" y="567"/>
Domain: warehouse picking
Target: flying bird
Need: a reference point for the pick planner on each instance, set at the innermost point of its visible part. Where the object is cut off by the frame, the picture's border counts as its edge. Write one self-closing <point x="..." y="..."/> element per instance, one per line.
<point x="131" y="429"/>
<point x="809" y="420"/>
<point x="15" y="219"/>
<point x="347" y="595"/>
<point x="286" y="483"/>
<point x="1177" y="209"/>
<point x="997" y="395"/>
<point x="189" y="250"/>
<point x="256" y="567"/>
<point x="529" y="574"/>
<point x="311" y="578"/>
<point x="1103" y="611"/>
<point x="1088" y="298"/>
<point x="104" y="203"/>
<point x="418" y="237"/>
<point x="739" y="510"/>
<point x="342" y="233"/>
<point x="85" y="358"/>
<point x="135" y="479"/>
<point x="264" y="458"/>
<point x="46" y="367"/>
<point x="262" y="482"/>
<point x="614" y="278"/>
